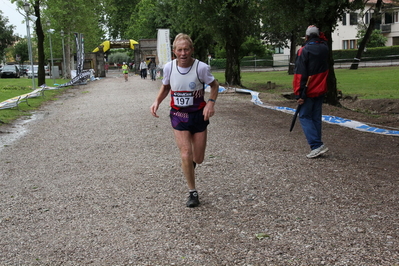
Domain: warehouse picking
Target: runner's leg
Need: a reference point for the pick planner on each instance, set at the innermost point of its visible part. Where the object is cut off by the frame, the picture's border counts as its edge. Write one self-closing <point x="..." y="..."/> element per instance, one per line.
<point x="199" y="146"/>
<point x="184" y="143"/>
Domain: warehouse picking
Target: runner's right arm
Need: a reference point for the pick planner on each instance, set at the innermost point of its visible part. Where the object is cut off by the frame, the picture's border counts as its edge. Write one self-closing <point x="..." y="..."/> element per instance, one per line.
<point x="163" y="92"/>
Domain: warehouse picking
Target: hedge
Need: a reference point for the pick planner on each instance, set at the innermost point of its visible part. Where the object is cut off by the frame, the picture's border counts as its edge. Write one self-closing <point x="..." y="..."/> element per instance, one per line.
<point x="247" y="61"/>
<point x="380" y="53"/>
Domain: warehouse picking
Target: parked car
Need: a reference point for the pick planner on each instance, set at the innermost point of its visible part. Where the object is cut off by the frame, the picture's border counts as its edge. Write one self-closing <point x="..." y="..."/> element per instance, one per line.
<point x="35" y="69"/>
<point x="10" y="71"/>
<point x="23" y="69"/>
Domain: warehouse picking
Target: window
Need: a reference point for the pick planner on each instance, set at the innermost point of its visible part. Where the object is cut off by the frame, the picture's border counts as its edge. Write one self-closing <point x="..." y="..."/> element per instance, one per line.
<point x="278" y="50"/>
<point x="344" y="45"/>
<point x="353" y="19"/>
<point x="396" y="17"/>
<point x="388" y="18"/>
<point x="367" y="18"/>
<point x="352" y="44"/>
<point x="344" y="20"/>
<point x="349" y="44"/>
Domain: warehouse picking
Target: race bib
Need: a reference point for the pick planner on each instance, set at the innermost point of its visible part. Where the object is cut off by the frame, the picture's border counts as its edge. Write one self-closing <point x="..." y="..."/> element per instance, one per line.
<point x="183" y="99"/>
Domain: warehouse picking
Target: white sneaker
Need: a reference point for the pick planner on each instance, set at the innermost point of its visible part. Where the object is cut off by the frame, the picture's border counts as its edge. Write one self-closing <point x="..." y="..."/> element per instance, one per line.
<point x="317" y="152"/>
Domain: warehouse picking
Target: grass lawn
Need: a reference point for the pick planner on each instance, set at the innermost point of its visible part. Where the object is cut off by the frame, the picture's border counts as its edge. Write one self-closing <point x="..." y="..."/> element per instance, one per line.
<point x="366" y="83"/>
<point x="10" y="88"/>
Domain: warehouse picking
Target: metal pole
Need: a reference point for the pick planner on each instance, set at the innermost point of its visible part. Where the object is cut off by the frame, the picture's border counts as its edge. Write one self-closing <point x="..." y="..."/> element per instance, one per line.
<point x="30" y="52"/>
<point x="63" y="56"/>
<point x="51" y="55"/>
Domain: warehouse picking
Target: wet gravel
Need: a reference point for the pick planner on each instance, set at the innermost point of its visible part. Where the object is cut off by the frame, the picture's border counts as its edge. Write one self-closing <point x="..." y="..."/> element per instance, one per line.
<point x="96" y="180"/>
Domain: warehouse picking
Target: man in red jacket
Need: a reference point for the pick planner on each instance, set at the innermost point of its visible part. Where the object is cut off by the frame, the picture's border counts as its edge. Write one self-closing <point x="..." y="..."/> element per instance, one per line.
<point x="310" y="86"/>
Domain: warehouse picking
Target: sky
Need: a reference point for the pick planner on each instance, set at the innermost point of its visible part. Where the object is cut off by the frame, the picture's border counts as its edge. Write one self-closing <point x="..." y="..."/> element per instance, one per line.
<point x="14" y="18"/>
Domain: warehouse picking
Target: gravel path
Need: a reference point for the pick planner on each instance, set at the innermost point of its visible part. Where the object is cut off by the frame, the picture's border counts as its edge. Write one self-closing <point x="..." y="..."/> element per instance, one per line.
<point x="96" y="180"/>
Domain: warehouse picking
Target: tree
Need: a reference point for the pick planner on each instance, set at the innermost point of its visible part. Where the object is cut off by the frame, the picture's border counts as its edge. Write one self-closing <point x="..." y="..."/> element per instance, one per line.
<point x="143" y="21"/>
<point x="367" y="35"/>
<point x="36" y="11"/>
<point x="233" y="22"/>
<point x="6" y="34"/>
<point x="280" y="31"/>
<point x="81" y="16"/>
<point x="227" y="22"/>
<point x="118" y="15"/>
<point x="21" y="50"/>
<point x="41" y="74"/>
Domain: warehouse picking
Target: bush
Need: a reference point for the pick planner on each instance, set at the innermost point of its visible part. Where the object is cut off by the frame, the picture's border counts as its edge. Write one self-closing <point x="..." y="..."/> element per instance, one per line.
<point x="380" y="53"/>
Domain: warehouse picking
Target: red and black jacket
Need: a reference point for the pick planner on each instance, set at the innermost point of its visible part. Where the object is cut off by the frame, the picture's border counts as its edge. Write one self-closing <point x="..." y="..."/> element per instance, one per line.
<point x="311" y="60"/>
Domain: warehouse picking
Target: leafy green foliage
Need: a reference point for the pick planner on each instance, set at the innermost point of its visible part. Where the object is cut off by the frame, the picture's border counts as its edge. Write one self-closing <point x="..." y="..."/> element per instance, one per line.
<point x="253" y="46"/>
<point x="117" y="18"/>
<point x="21" y="49"/>
<point x="6" y="34"/>
<point x="376" y="38"/>
<point x="143" y="21"/>
<point x="119" y="57"/>
<point x="82" y="16"/>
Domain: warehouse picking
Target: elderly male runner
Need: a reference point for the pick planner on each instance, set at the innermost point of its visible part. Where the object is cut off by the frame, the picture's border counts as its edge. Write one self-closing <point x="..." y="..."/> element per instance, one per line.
<point x="185" y="78"/>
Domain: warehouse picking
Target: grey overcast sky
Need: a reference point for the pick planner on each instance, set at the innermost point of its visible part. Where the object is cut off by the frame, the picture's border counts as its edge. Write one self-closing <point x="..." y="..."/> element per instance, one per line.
<point x="14" y="18"/>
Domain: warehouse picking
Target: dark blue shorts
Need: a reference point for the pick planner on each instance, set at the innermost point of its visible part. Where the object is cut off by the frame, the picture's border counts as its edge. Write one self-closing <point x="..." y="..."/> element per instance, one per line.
<point x="193" y="122"/>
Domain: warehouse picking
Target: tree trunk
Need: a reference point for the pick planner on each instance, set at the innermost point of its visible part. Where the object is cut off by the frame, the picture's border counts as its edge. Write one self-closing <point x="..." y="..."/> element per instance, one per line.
<point x="233" y="71"/>
<point x="291" y="66"/>
<point x="41" y="75"/>
<point x="332" y="96"/>
<point x="362" y="45"/>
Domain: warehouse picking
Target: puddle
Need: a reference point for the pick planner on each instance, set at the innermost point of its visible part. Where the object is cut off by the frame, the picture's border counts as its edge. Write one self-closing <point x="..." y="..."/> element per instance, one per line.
<point x="11" y="133"/>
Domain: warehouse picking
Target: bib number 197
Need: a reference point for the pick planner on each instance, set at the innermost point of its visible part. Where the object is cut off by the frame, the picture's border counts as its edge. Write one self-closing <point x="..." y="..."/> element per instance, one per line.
<point x="183" y="101"/>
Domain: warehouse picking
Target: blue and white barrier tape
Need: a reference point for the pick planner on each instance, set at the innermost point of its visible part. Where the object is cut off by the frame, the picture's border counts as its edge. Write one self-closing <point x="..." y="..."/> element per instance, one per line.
<point x="326" y="118"/>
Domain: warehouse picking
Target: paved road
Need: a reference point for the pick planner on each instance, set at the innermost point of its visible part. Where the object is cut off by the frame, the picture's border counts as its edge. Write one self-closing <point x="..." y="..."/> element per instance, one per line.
<point x="96" y="180"/>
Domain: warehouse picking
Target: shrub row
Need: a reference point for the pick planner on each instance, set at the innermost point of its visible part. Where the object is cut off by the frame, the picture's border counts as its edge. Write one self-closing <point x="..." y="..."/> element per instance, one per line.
<point x="247" y="61"/>
<point x="380" y="53"/>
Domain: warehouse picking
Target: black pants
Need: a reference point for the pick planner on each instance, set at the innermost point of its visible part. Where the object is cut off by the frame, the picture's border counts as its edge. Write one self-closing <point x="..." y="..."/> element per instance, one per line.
<point x="144" y="73"/>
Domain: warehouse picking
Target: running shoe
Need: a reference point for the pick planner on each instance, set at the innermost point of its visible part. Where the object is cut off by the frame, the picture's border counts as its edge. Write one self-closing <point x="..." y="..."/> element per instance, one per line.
<point x="193" y="199"/>
<point x="317" y="152"/>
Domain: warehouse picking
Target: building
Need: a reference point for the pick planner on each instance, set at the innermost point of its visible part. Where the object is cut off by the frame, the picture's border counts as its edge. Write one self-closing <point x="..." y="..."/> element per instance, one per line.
<point x="344" y="36"/>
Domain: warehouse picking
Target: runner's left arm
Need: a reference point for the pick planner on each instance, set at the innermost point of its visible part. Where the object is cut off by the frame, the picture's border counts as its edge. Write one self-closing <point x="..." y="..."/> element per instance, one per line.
<point x="209" y="109"/>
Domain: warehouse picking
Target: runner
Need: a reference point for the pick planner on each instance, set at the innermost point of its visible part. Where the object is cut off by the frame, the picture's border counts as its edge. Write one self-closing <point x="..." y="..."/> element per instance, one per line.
<point x="125" y="71"/>
<point x="184" y="79"/>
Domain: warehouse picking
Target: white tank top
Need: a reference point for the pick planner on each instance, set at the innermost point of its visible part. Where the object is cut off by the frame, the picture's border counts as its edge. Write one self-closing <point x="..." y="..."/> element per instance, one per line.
<point x="187" y="90"/>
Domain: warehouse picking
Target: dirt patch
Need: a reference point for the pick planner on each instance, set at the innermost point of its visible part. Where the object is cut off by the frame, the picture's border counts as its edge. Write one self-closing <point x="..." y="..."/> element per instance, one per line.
<point x="383" y="112"/>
